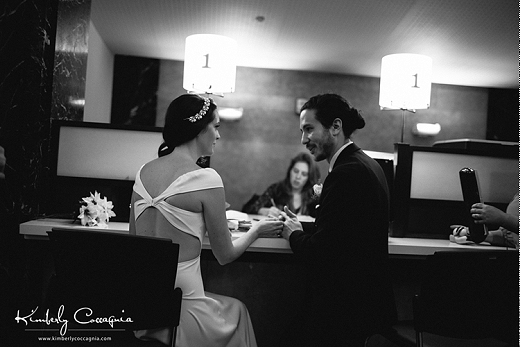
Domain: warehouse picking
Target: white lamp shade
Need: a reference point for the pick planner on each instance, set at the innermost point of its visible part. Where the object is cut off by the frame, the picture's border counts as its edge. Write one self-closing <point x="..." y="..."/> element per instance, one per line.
<point x="210" y="64"/>
<point x="405" y="81"/>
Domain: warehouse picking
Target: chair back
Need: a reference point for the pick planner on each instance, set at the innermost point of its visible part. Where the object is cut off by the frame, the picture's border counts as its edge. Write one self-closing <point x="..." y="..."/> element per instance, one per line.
<point x="116" y="275"/>
<point x="469" y="294"/>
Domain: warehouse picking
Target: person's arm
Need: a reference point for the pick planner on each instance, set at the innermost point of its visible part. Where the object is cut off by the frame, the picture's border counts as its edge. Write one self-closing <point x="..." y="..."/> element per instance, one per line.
<point x="510" y="222"/>
<point x="500" y="238"/>
<point x="333" y="220"/>
<point x="487" y="214"/>
<point x="224" y="248"/>
<point x="305" y="244"/>
<point x="350" y="220"/>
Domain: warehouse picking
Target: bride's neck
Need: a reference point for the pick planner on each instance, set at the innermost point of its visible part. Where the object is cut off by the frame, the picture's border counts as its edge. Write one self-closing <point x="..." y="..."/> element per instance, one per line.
<point x="186" y="151"/>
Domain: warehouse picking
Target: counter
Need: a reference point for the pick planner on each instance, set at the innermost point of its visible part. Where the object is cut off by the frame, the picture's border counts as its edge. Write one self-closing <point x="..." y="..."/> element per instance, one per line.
<point x="37" y="229"/>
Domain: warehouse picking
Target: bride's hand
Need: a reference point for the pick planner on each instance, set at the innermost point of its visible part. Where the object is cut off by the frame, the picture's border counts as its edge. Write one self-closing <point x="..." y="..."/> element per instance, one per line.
<point x="268" y="227"/>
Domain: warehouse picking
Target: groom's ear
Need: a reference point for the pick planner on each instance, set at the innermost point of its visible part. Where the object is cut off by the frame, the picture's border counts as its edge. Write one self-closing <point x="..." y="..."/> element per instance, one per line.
<point x="336" y="127"/>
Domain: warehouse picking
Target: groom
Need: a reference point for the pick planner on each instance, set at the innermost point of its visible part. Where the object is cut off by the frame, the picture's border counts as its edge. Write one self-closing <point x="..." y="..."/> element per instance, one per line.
<point x="349" y="294"/>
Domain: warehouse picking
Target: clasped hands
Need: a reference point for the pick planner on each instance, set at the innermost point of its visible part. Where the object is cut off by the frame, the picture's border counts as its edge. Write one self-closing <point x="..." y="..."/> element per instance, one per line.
<point x="290" y="222"/>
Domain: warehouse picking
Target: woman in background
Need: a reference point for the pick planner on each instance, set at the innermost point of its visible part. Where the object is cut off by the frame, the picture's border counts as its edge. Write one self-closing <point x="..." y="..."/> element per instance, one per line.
<point x="176" y="199"/>
<point x="295" y="191"/>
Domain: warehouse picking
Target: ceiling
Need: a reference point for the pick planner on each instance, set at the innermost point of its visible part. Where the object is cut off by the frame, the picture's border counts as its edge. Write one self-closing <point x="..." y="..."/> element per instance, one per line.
<point x="471" y="42"/>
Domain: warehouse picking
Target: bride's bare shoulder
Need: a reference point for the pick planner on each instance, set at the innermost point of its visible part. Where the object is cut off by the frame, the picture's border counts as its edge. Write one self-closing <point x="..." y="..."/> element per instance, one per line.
<point x="161" y="172"/>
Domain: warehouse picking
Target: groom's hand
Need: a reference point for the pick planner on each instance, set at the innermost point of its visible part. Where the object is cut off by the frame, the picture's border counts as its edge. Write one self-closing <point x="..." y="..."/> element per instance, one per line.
<point x="290" y="223"/>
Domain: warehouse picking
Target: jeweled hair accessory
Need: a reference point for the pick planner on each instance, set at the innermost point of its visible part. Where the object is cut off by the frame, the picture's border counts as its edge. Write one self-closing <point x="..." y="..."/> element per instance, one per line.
<point x="201" y="113"/>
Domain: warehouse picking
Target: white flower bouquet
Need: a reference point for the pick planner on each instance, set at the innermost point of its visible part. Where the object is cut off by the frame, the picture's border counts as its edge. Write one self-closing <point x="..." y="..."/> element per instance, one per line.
<point x="95" y="211"/>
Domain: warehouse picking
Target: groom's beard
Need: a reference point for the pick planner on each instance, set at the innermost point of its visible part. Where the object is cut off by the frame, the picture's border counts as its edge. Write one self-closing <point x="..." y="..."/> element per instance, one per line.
<point x="324" y="147"/>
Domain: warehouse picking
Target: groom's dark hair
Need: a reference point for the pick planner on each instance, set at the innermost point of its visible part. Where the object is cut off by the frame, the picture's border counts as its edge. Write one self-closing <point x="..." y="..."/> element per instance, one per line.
<point x="331" y="106"/>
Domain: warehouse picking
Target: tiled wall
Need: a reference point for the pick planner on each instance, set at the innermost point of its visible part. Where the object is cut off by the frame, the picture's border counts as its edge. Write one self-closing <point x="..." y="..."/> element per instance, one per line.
<point x="255" y="151"/>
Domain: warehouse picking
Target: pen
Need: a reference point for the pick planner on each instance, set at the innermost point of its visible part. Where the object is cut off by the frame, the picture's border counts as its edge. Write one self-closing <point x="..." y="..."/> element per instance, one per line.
<point x="272" y="202"/>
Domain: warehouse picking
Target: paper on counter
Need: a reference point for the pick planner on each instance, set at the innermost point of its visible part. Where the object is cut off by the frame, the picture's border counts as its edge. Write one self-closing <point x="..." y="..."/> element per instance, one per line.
<point x="232" y="214"/>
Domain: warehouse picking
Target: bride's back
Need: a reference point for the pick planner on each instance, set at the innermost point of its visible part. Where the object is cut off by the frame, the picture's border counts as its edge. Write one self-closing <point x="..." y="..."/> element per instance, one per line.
<point x="156" y="177"/>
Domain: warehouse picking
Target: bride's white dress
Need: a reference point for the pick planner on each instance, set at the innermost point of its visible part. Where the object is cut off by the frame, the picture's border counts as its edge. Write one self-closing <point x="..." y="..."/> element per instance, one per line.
<point x="206" y="319"/>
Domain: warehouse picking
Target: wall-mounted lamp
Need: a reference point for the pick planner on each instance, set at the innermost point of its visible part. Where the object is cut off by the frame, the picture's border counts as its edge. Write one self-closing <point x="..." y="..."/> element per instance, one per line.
<point x="299" y="103"/>
<point x="210" y="64"/>
<point x="75" y="102"/>
<point x="230" y="113"/>
<point x="405" y="83"/>
<point x="426" y="129"/>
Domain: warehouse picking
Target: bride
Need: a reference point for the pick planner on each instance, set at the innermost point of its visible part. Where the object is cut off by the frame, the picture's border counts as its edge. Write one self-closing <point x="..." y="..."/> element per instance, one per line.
<point x="175" y="198"/>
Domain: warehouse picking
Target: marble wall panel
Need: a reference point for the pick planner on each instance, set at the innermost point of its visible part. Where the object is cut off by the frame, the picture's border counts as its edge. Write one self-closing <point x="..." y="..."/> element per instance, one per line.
<point x="134" y="92"/>
<point x="27" y="37"/>
<point x="70" y="60"/>
<point x="27" y="66"/>
<point x="27" y="42"/>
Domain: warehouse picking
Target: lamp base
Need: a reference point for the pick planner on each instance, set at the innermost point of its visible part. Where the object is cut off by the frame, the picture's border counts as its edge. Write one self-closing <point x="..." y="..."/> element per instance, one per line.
<point x="403" y="116"/>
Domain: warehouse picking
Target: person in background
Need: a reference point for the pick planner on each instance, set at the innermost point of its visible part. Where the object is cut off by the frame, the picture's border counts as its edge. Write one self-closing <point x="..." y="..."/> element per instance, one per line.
<point x="507" y="222"/>
<point x="349" y="291"/>
<point x="175" y="198"/>
<point x="295" y="190"/>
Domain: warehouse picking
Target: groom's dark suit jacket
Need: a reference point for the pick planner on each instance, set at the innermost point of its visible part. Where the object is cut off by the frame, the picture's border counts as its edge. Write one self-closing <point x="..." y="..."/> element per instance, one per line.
<point x="346" y="253"/>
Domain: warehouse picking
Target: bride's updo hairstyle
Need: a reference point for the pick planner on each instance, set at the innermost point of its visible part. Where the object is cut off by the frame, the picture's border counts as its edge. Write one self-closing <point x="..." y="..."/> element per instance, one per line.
<point x="331" y="106"/>
<point x="186" y="117"/>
